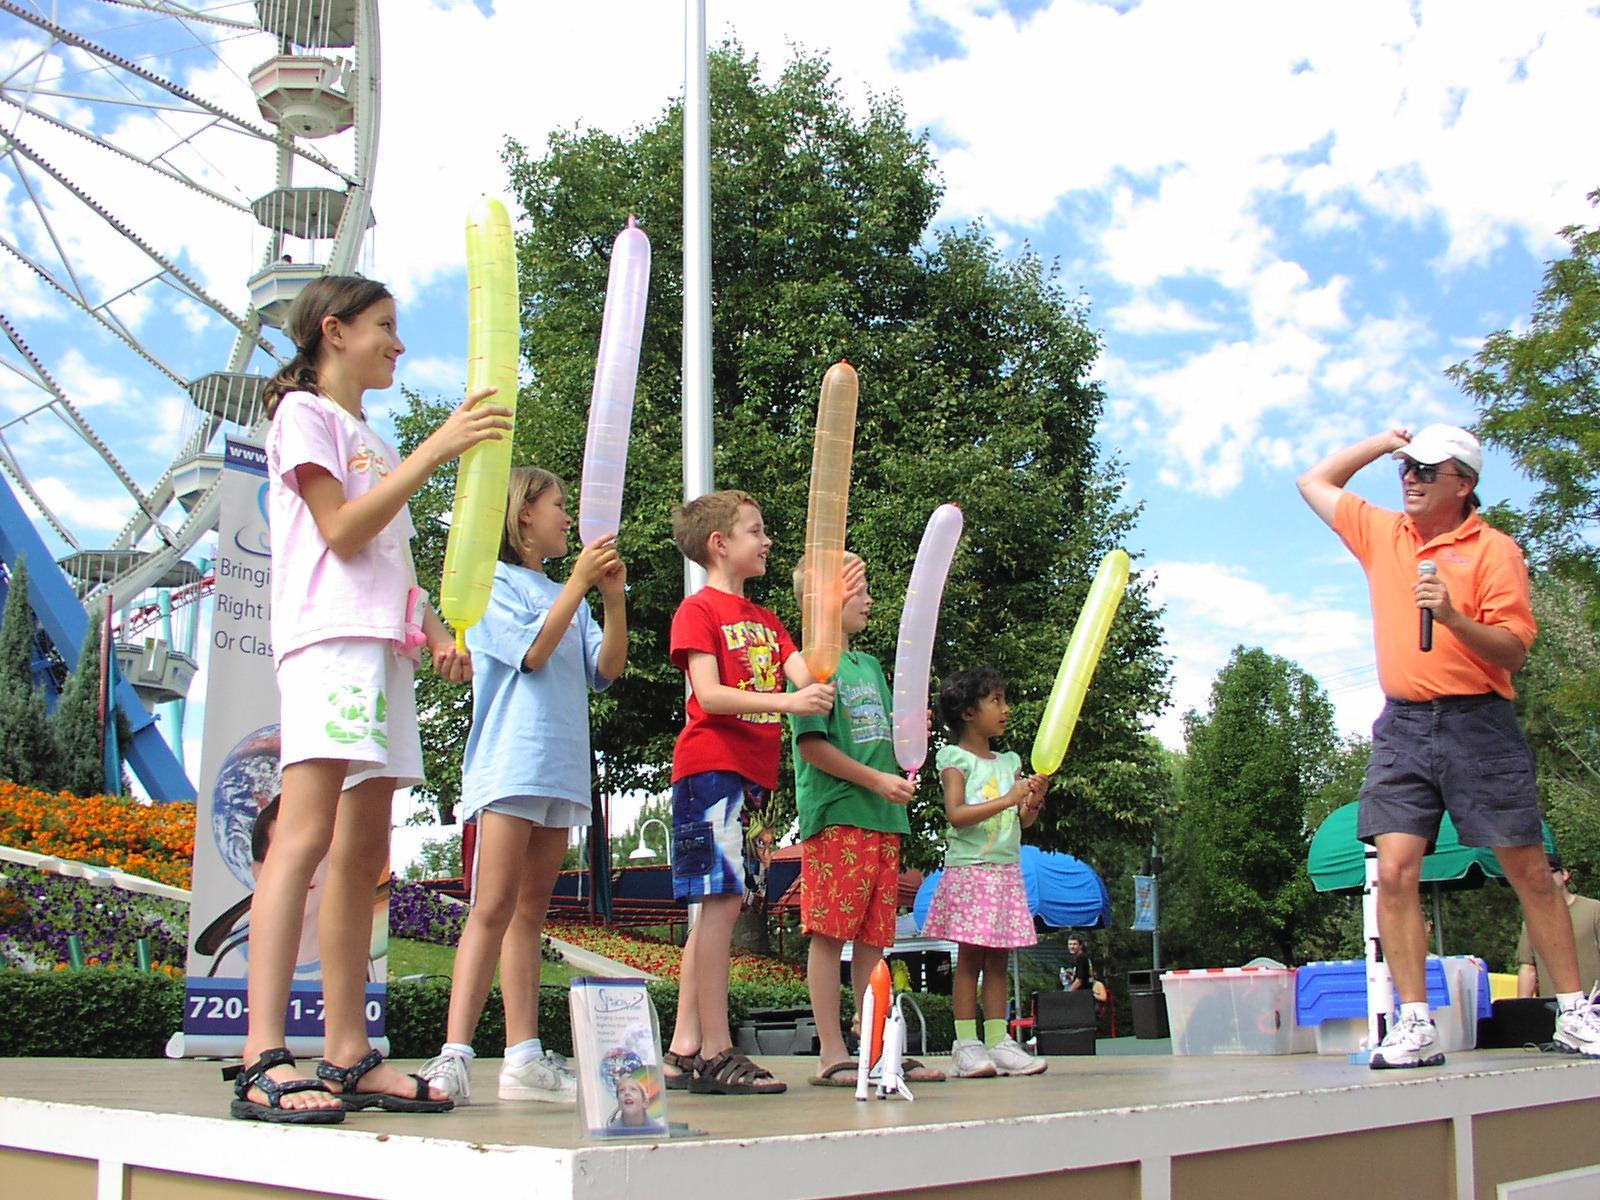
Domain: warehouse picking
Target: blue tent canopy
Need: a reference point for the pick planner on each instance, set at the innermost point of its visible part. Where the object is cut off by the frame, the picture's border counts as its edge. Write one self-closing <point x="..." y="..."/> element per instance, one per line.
<point x="1062" y="891"/>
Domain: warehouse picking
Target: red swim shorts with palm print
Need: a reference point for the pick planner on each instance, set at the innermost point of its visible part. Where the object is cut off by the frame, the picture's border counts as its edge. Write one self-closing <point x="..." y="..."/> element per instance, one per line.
<point x="849" y="884"/>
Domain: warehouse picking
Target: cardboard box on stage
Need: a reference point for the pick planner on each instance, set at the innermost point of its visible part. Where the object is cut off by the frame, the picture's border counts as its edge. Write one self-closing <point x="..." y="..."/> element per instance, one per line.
<point x="1234" y="1010"/>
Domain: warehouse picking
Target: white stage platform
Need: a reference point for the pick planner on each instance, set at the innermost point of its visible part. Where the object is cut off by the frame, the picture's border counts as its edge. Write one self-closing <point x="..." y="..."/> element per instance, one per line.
<point x="1111" y="1127"/>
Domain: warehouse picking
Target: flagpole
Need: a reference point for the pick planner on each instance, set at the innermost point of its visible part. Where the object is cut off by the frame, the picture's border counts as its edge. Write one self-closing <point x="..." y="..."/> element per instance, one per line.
<point x="697" y="432"/>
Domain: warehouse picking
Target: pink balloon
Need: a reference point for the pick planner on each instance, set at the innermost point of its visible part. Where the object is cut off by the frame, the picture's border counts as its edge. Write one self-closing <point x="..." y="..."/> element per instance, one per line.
<point x="616" y="373"/>
<point x="918" y="620"/>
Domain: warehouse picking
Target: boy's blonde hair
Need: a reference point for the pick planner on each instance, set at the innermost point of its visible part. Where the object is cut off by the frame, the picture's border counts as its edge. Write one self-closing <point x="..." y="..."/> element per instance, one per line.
<point x="715" y="512"/>
<point x="850" y="556"/>
<point x="525" y="485"/>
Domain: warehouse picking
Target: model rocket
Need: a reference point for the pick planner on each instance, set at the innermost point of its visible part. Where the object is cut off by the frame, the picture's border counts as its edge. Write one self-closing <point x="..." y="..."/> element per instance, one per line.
<point x="883" y="1041"/>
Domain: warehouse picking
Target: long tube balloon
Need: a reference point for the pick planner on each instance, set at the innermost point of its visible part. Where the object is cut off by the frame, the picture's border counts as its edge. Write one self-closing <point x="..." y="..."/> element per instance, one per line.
<point x="822" y="597"/>
<point x="1078" y="663"/>
<point x="616" y="373"/>
<point x="492" y="330"/>
<point x="918" y="620"/>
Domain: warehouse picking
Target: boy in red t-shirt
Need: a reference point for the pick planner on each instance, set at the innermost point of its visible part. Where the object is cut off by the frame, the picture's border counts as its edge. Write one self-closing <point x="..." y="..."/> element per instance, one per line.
<point x="737" y="656"/>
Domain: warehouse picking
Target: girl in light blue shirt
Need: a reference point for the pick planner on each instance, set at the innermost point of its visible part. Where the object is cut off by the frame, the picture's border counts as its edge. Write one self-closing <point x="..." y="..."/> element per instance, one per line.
<point x="525" y="776"/>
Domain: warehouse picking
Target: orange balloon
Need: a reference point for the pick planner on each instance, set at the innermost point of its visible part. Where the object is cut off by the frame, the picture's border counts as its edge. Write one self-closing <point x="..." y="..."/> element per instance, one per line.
<point x="821" y="622"/>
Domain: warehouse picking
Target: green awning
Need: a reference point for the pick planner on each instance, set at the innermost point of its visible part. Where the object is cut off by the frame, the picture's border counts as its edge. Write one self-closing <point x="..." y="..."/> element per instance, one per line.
<point x="1336" y="861"/>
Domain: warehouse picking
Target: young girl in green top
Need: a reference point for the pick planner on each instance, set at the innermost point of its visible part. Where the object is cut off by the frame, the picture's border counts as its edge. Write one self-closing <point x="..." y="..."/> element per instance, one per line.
<point x="980" y="902"/>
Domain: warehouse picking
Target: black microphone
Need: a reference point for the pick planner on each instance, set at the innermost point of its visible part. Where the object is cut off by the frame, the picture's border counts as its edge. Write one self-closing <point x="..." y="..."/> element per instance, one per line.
<point x="1426" y="569"/>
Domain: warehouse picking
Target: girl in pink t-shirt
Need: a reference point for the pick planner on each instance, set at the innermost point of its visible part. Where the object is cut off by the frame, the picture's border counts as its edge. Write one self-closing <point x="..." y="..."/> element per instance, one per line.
<point x="341" y="613"/>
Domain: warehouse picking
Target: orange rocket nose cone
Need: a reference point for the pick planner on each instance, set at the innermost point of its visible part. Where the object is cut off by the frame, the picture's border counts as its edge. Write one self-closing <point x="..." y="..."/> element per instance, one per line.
<point x="879" y="986"/>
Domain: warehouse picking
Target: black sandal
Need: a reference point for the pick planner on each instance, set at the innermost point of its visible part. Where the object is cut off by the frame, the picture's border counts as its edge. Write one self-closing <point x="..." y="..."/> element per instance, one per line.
<point x="731" y="1073"/>
<point x="348" y="1078"/>
<point x="687" y="1065"/>
<point x="273" y="1112"/>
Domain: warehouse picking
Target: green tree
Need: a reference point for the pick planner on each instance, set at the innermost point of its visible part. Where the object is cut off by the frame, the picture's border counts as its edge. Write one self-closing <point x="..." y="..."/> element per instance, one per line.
<point x="1538" y="395"/>
<point x="1256" y="760"/>
<point x="27" y="750"/>
<point x="439" y="858"/>
<point x="975" y="388"/>
<point x="76" y="726"/>
<point x="1559" y="700"/>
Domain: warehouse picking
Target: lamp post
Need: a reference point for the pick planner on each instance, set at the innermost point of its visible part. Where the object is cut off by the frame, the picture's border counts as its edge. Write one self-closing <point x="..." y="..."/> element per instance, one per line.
<point x="641" y="851"/>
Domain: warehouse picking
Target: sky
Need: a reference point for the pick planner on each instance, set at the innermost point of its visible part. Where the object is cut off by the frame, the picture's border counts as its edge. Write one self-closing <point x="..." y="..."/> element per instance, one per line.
<point x="1287" y="221"/>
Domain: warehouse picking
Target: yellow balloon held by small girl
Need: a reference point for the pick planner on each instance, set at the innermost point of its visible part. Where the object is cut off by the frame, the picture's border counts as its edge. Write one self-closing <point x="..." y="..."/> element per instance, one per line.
<point x="492" y="332"/>
<point x="1078" y="663"/>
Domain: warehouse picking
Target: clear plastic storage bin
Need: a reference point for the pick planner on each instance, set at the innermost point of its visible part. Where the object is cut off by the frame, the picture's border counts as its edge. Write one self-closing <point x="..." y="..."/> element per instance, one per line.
<point x="1234" y="1010"/>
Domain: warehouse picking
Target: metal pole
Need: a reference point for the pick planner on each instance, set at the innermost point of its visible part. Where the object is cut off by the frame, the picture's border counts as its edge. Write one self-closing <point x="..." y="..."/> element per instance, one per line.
<point x="697" y="432"/>
<point x="1155" y="933"/>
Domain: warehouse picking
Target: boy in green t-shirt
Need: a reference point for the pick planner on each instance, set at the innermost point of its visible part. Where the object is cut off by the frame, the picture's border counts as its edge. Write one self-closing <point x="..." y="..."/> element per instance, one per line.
<point x="852" y="801"/>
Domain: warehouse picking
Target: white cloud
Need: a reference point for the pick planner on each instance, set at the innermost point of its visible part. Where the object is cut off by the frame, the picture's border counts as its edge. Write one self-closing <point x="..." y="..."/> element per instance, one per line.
<point x="85" y="512"/>
<point x="434" y="372"/>
<point x="90" y="385"/>
<point x="1147" y="313"/>
<point x="1212" y="607"/>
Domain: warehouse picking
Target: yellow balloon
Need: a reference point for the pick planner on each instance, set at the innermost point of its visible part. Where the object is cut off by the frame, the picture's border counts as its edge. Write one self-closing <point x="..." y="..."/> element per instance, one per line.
<point x="822" y="596"/>
<point x="492" y="334"/>
<point x="1078" y="663"/>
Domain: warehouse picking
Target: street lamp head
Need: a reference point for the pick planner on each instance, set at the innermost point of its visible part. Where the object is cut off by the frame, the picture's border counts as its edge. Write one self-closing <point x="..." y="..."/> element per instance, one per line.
<point x="641" y="851"/>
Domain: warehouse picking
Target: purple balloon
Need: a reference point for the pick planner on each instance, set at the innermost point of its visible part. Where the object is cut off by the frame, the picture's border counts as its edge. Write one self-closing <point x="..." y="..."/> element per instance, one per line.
<point x="616" y="372"/>
<point x="918" y="620"/>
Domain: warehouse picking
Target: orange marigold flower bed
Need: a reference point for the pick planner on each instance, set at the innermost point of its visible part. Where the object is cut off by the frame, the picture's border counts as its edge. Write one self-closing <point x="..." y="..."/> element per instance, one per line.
<point x="155" y="841"/>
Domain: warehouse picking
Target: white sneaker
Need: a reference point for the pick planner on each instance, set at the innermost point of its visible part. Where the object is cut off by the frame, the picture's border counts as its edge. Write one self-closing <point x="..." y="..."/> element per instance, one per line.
<point x="449" y="1073"/>
<point x="546" y="1078"/>
<point x="1410" y="1042"/>
<point x="969" y="1060"/>
<point x="1009" y="1058"/>
<point x="1578" y="1029"/>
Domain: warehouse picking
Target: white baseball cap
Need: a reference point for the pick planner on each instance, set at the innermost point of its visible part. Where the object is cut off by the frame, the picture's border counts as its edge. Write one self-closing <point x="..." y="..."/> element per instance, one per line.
<point x="1439" y="442"/>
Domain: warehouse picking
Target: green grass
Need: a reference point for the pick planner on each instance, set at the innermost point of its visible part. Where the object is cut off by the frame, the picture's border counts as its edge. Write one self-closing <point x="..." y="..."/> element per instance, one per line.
<point x="407" y="957"/>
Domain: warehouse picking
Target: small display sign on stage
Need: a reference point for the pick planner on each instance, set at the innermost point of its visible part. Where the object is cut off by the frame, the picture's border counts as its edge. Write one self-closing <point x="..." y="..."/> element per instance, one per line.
<point x="617" y="1043"/>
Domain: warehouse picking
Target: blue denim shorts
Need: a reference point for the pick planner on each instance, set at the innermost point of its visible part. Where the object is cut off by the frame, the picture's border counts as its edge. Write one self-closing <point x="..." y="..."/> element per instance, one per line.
<point x="1461" y="754"/>
<point x="710" y="856"/>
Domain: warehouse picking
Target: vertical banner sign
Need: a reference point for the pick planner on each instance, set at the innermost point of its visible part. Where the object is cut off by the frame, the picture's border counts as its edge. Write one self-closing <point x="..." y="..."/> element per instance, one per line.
<point x="237" y="806"/>
<point x="1146" y="909"/>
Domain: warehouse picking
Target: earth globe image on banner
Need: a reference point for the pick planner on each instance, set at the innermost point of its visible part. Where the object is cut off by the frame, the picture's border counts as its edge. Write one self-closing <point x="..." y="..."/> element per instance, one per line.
<point x="247" y="783"/>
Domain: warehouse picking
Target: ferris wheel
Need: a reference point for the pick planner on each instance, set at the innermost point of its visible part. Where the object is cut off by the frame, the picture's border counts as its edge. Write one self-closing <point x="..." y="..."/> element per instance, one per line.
<point x="172" y="175"/>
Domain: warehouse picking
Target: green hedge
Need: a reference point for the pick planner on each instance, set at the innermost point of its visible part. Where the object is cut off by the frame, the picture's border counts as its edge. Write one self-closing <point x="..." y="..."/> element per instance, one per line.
<point x="94" y="1013"/>
<point x="97" y="1013"/>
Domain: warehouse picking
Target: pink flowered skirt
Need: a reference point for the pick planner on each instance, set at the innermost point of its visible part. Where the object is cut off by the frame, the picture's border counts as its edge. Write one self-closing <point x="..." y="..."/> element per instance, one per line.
<point x="983" y="905"/>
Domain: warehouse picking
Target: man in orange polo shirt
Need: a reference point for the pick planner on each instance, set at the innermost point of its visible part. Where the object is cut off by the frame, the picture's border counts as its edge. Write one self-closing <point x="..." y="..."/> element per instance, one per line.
<point x="1448" y="737"/>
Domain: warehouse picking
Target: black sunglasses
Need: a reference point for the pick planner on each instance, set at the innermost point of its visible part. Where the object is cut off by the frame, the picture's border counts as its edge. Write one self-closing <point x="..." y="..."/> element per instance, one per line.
<point x="1425" y="472"/>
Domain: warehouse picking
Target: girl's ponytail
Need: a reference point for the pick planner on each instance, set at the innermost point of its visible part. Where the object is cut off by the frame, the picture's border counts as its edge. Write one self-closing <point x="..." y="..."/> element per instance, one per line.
<point x="299" y="374"/>
<point x="345" y="297"/>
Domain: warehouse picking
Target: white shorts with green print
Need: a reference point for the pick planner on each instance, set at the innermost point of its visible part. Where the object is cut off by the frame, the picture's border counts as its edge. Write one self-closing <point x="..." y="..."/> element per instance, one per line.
<point x="355" y="699"/>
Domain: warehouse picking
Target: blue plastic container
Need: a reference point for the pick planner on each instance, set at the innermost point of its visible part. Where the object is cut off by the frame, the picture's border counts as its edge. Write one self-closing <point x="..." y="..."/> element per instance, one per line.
<point x="1327" y="991"/>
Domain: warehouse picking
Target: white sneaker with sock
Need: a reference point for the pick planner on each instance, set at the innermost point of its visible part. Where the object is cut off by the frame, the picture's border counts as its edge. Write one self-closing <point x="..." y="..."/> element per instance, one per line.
<point x="451" y="1074"/>
<point x="544" y="1077"/>
<point x="1578" y="1028"/>
<point x="1412" y="1041"/>
<point x="969" y="1060"/>
<point x="1010" y="1058"/>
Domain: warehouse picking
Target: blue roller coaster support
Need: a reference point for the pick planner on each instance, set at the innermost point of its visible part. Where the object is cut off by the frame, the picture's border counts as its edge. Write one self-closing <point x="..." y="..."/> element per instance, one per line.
<point x="57" y="608"/>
